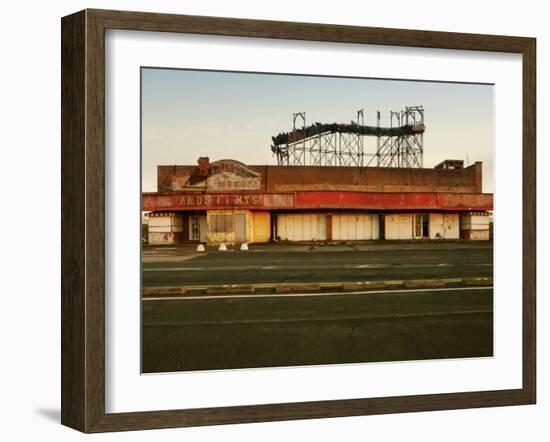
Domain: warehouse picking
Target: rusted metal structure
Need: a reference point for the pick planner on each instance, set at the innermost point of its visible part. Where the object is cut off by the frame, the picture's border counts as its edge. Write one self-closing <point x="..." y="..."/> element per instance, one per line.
<point x="338" y="144"/>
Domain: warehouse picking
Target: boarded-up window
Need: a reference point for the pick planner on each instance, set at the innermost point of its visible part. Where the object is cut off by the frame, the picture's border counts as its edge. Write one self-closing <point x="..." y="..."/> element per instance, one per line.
<point x="221" y="223"/>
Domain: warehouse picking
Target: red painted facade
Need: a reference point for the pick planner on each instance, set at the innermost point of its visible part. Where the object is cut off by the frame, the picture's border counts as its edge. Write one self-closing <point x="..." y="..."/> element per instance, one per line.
<point x="330" y="200"/>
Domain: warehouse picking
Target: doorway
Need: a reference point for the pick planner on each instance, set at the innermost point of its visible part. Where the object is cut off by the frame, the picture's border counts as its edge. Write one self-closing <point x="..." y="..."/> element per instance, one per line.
<point x="240" y="227"/>
<point x="197" y="228"/>
<point x="421" y="226"/>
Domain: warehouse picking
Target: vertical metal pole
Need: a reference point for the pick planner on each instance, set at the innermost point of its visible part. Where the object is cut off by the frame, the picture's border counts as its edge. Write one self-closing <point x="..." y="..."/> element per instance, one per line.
<point x="378" y="137"/>
<point x="360" y="138"/>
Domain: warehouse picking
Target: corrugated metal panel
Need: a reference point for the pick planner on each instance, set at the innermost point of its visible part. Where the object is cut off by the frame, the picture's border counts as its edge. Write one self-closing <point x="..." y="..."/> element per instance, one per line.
<point x="474" y="222"/>
<point x="222" y="226"/>
<point x="203" y="228"/>
<point x="437" y="229"/>
<point x="164" y="238"/>
<point x="354" y="227"/>
<point x="240" y="227"/>
<point x="444" y="226"/>
<point x="479" y="235"/>
<point x="301" y="227"/>
<point x="170" y="223"/>
<point x="452" y="225"/>
<point x="322" y="227"/>
<point x="375" y="226"/>
<point x="160" y="221"/>
<point x="261" y="226"/>
<point x="399" y="226"/>
<point x="474" y="226"/>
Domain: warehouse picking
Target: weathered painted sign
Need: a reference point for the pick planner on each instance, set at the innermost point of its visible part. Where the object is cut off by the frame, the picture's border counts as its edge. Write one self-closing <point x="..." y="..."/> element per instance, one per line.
<point x="217" y="201"/>
<point x="232" y="175"/>
<point x="220" y="200"/>
<point x="319" y="200"/>
<point x="394" y="201"/>
<point x="224" y="175"/>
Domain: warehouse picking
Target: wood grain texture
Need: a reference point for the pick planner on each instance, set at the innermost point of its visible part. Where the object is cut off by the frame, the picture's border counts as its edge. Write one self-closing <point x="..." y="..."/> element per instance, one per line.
<point x="529" y="220"/>
<point x="83" y="219"/>
<point x="95" y="222"/>
<point x="144" y="21"/>
<point x="73" y="127"/>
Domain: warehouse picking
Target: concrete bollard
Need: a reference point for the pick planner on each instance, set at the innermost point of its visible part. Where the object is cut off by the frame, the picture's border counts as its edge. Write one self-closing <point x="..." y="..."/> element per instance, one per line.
<point x="244" y="246"/>
<point x="200" y="248"/>
<point x="222" y="247"/>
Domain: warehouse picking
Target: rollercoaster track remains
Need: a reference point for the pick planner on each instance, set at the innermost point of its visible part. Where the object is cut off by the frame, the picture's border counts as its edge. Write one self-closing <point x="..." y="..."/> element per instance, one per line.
<point x="318" y="129"/>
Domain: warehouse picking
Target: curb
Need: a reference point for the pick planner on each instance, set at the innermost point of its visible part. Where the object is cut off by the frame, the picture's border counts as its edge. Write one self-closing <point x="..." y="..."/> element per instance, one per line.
<point x="424" y="283"/>
<point x="231" y="289"/>
<point x="298" y="288"/>
<point x="163" y="291"/>
<point x="469" y="282"/>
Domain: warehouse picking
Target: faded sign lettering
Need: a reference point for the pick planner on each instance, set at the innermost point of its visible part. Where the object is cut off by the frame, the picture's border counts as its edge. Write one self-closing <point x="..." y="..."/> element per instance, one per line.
<point x="220" y="200"/>
<point x="227" y="175"/>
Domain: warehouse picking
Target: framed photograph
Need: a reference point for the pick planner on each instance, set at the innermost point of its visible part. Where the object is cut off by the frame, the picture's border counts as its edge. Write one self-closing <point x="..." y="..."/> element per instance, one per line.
<point x="269" y="220"/>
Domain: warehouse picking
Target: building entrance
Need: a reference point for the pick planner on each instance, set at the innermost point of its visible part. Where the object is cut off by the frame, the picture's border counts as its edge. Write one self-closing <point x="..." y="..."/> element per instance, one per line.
<point x="240" y="227"/>
<point x="197" y="228"/>
<point x="421" y="226"/>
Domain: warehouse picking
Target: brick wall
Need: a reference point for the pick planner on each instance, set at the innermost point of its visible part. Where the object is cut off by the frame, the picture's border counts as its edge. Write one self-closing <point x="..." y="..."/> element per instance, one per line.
<point x="366" y="179"/>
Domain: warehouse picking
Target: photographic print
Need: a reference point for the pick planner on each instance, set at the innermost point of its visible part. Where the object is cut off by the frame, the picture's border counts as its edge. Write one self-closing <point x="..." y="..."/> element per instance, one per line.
<point x="291" y="220"/>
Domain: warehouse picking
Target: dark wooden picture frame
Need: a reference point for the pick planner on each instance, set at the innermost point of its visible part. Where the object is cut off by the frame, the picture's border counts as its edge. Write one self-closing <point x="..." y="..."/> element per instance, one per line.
<point x="83" y="220"/>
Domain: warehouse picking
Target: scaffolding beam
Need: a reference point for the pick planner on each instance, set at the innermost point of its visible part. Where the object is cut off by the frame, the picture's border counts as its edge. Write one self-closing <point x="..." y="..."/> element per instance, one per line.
<point x="336" y="144"/>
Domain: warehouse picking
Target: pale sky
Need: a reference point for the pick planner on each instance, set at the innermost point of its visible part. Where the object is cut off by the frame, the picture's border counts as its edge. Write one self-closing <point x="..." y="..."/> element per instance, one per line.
<point x="187" y="114"/>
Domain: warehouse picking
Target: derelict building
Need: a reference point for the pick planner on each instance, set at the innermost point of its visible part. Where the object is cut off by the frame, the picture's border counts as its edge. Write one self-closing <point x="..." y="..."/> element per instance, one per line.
<point x="230" y="202"/>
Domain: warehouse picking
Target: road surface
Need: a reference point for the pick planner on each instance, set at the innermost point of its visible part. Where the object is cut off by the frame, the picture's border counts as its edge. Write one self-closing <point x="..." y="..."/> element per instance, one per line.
<point x="264" y="264"/>
<point x="240" y="332"/>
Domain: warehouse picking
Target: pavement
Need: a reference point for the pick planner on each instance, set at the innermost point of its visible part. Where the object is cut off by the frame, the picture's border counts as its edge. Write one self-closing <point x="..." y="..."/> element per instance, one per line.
<point x="277" y="330"/>
<point x="342" y="263"/>
<point x="308" y="304"/>
<point x="282" y="246"/>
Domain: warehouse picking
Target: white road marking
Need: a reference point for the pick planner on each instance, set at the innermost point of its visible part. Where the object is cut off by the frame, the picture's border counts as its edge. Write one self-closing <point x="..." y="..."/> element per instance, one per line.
<point x="331" y="266"/>
<point x="158" y="255"/>
<point x="411" y="266"/>
<point x="175" y="269"/>
<point x="304" y="295"/>
<point x="372" y="266"/>
<point x="320" y="318"/>
<point x="316" y="258"/>
<point x="324" y="285"/>
<point x="159" y="252"/>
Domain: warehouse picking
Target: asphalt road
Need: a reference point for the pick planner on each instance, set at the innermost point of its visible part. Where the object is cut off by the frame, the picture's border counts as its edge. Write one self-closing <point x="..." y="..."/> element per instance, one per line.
<point x="303" y="264"/>
<point x="240" y="332"/>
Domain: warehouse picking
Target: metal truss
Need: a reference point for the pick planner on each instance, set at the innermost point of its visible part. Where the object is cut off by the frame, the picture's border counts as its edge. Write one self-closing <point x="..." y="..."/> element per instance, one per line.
<point x="405" y="150"/>
<point x="400" y="145"/>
